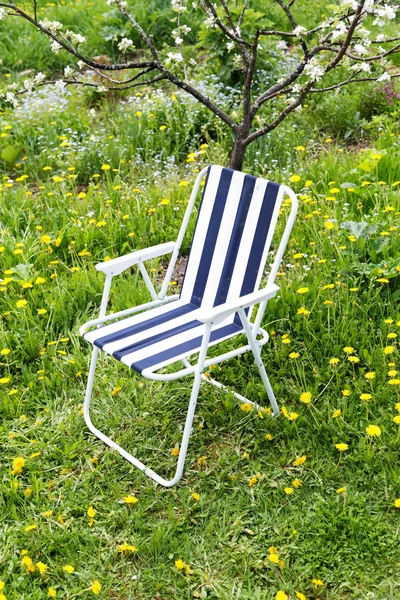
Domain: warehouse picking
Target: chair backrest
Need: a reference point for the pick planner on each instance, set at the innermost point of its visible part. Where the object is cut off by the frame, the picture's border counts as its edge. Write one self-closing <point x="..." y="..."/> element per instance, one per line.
<point x="232" y="237"/>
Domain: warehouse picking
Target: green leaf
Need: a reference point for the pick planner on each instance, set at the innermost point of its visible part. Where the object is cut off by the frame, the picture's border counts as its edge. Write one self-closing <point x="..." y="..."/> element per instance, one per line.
<point x="10" y="155"/>
<point x="23" y="271"/>
<point x="347" y="185"/>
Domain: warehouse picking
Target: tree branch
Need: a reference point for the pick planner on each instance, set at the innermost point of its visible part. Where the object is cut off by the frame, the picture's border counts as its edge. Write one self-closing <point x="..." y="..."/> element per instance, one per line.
<point x="94" y="85"/>
<point x="71" y="49"/>
<point x="346" y="82"/>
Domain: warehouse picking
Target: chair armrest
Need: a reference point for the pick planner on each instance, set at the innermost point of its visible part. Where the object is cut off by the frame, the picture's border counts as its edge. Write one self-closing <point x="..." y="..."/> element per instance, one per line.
<point x="216" y="314"/>
<point x="118" y="265"/>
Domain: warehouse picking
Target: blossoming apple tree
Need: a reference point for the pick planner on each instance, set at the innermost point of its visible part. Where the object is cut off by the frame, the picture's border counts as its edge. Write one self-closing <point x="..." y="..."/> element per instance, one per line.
<point x="350" y="47"/>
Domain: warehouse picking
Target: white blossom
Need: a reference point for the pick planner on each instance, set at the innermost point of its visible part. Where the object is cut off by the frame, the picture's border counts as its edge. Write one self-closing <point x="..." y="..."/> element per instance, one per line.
<point x="340" y="30"/>
<point x="60" y="85"/>
<point x="185" y="29"/>
<point x="314" y="70"/>
<point x="360" y="50"/>
<point x="68" y="71"/>
<point x="11" y="98"/>
<point x="384" y="77"/>
<point x="101" y="88"/>
<point x="39" y="77"/>
<point x="369" y="5"/>
<point x="281" y="45"/>
<point x="28" y="85"/>
<point x="81" y="64"/>
<point x="174" y="57"/>
<point x="178" y="41"/>
<point x="110" y="2"/>
<point x="361" y="66"/>
<point x="56" y="47"/>
<point x="299" y="30"/>
<point x="230" y="46"/>
<point x="380" y="37"/>
<point x="210" y="22"/>
<point x="387" y="12"/>
<point x="178" y="6"/>
<point x="76" y="38"/>
<point x="3" y="14"/>
<point x="124" y="44"/>
<point x="52" y="26"/>
<point x="192" y="61"/>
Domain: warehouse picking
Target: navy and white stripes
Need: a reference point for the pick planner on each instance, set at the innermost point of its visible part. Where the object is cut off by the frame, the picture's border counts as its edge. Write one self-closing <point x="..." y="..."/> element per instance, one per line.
<point x="233" y="233"/>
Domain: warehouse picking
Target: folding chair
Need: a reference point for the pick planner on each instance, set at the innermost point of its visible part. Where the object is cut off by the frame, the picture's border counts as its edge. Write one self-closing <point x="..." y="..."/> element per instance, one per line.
<point x="234" y="228"/>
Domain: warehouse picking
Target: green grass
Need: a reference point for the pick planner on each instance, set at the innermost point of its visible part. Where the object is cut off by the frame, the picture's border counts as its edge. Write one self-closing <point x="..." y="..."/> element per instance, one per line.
<point x="60" y="213"/>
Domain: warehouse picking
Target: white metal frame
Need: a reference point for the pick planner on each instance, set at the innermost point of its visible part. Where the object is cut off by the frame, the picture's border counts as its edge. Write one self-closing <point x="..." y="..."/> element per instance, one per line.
<point x="209" y="317"/>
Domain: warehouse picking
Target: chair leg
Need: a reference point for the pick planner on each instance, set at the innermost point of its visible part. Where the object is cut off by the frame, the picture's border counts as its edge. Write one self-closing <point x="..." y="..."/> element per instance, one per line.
<point x="188" y="423"/>
<point x="255" y="348"/>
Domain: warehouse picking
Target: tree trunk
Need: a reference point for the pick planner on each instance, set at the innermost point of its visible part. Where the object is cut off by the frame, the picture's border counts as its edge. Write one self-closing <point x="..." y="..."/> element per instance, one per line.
<point x="237" y="154"/>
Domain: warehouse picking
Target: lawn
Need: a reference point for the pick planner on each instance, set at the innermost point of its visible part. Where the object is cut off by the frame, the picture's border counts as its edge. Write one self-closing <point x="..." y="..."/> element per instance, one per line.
<point x="308" y="503"/>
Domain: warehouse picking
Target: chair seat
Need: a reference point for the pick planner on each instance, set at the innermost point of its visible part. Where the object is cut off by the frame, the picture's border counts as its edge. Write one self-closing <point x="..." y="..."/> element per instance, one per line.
<point x="158" y="337"/>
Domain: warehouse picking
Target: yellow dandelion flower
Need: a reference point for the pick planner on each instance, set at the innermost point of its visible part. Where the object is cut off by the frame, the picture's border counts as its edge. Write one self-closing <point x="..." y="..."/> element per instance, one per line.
<point x="125" y="547"/>
<point x="68" y="569"/>
<point x="51" y="592"/>
<point x="300" y="461"/>
<point x="305" y="398"/>
<point x="246" y="407"/>
<point x="18" y="464"/>
<point x="341" y="490"/>
<point x="353" y="359"/>
<point x="96" y="587"/>
<point x="342" y="447"/>
<point x="388" y="350"/>
<point x="130" y="499"/>
<point x="303" y="290"/>
<point x="281" y="595"/>
<point x="397" y="503"/>
<point x="373" y="430"/>
<point x="41" y="567"/>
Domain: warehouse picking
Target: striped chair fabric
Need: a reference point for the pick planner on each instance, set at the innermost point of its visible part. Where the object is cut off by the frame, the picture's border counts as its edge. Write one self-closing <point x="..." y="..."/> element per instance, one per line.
<point x="232" y="237"/>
